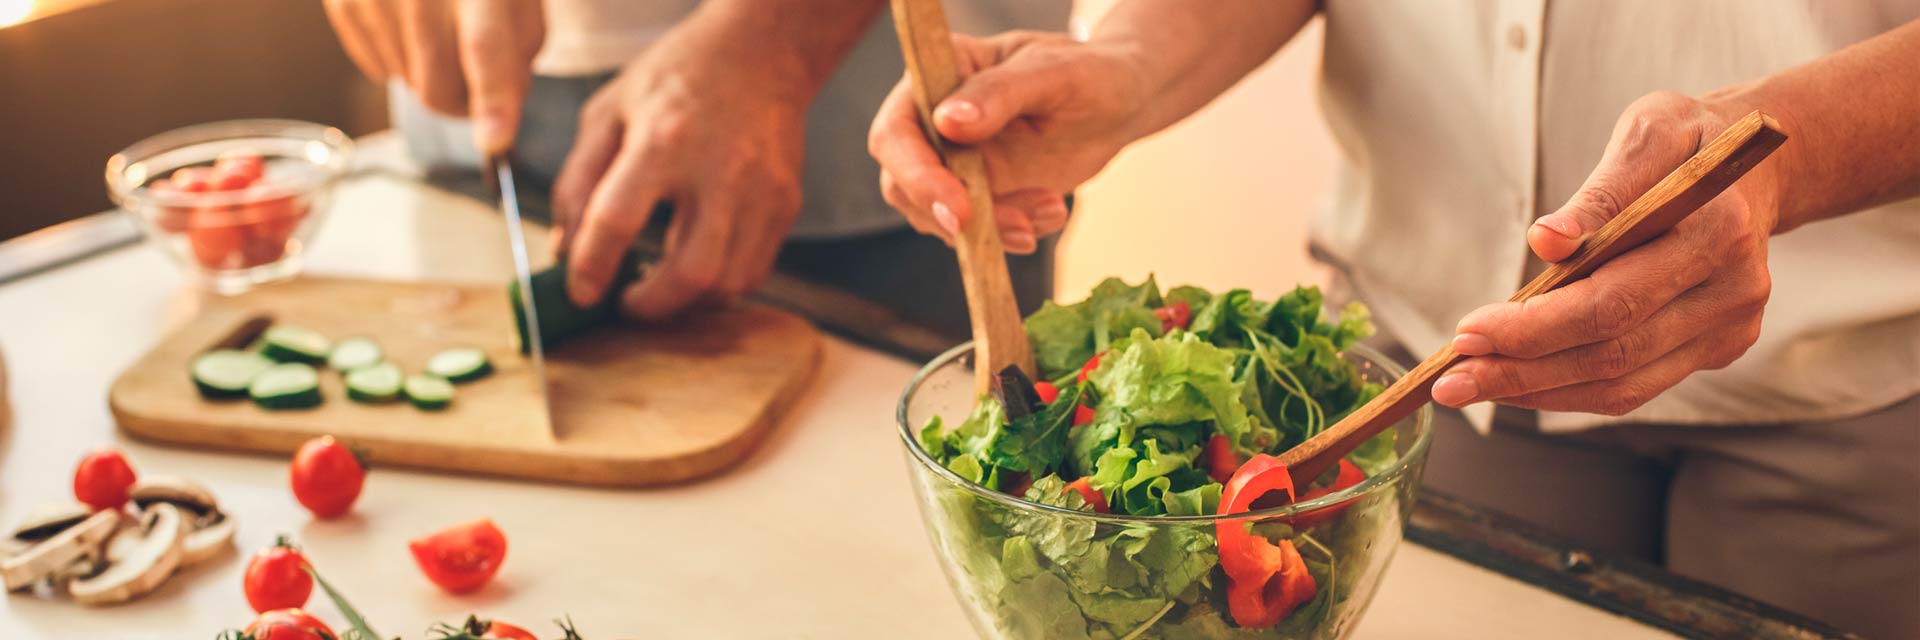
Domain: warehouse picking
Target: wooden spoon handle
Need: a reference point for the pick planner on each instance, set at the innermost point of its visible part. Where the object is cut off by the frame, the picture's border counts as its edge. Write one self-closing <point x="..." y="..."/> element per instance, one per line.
<point x="1710" y="171"/>
<point x="998" y="337"/>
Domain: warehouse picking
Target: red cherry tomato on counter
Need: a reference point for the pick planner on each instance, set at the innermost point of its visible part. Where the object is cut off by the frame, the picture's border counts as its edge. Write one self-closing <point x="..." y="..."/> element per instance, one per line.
<point x="498" y="629"/>
<point x="289" y="624"/>
<point x="103" y="480"/>
<point x="326" y="477"/>
<point x="462" y="558"/>
<point x="277" y="578"/>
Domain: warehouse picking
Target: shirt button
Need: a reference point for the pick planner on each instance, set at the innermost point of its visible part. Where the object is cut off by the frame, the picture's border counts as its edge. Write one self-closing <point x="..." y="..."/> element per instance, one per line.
<point x="1517" y="37"/>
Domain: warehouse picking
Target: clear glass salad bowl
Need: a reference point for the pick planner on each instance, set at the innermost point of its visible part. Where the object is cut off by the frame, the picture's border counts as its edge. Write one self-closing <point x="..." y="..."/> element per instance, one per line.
<point x="231" y="236"/>
<point x="1123" y="593"/>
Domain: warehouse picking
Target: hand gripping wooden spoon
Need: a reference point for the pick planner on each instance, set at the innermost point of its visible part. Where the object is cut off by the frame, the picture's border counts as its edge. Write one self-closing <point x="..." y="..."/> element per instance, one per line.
<point x="999" y="339"/>
<point x="1710" y="171"/>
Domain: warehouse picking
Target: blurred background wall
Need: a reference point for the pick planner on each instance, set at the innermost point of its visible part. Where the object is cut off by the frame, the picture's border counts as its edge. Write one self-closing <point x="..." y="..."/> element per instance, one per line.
<point x="81" y="79"/>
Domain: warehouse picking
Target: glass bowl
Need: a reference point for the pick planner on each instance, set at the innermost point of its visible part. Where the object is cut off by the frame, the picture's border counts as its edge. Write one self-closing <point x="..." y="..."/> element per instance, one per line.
<point x="233" y="236"/>
<point x="1099" y="591"/>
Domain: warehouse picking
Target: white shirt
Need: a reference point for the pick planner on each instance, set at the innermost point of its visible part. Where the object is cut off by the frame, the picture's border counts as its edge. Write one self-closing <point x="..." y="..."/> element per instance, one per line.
<point x="1461" y="122"/>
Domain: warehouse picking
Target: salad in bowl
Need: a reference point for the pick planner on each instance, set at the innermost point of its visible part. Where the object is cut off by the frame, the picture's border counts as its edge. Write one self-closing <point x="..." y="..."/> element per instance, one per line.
<point x="1131" y="490"/>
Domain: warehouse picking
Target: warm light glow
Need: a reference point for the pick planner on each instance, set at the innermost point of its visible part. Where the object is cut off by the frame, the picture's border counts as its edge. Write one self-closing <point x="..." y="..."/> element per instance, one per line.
<point x="12" y="12"/>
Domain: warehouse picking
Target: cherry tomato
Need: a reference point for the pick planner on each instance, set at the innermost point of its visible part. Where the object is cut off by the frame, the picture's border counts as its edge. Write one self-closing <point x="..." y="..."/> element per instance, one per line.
<point x="215" y="235"/>
<point x="1178" y="314"/>
<point x="326" y="477"/>
<point x="289" y="624"/>
<point x="245" y="164"/>
<point x="223" y="179"/>
<point x="498" y="629"/>
<point x="193" y="179"/>
<point x="173" y="219"/>
<point x="462" y="558"/>
<point x="270" y="227"/>
<point x="103" y="480"/>
<point x="1092" y="495"/>
<point x="1082" y="415"/>
<point x="1047" y="392"/>
<point x="276" y="578"/>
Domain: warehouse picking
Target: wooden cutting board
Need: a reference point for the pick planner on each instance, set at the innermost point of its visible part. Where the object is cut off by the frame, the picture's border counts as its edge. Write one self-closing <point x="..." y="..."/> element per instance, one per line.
<point x="631" y="406"/>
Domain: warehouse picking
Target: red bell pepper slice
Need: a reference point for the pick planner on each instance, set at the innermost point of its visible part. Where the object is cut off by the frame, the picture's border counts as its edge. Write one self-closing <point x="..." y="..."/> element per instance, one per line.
<point x="1092" y="363"/>
<point x="1047" y="392"/>
<point x="1265" y="580"/>
<point x="1221" y="460"/>
<point x="1349" y="475"/>
<point x="1093" y="496"/>
<point x="1082" y="415"/>
<point x="1178" y="314"/>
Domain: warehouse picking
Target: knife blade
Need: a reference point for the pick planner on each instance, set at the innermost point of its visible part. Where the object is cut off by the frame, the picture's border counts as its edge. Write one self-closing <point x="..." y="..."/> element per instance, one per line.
<point x="503" y="186"/>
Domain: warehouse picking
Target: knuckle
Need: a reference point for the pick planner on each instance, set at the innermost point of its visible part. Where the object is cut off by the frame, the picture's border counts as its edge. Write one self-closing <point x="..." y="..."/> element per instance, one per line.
<point x="1615" y="357"/>
<point x="1613" y="313"/>
<point x="671" y="131"/>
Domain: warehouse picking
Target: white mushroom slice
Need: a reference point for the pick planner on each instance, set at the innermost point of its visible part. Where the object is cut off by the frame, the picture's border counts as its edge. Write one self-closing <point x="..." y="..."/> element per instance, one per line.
<point x="209" y="530"/>
<point x="59" y="550"/>
<point x="139" y="558"/>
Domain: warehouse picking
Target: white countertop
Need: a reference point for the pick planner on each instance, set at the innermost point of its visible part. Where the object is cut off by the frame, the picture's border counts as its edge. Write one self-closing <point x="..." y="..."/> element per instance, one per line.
<point x="814" y="536"/>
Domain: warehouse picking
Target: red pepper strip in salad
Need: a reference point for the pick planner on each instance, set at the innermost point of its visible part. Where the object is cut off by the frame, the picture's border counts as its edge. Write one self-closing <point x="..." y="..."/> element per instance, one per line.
<point x="1093" y="496"/>
<point x="1221" y="460"/>
<point x="1082" y="415"/>
<point x="1178" y="314"/>
<point x="1047" y="392"/>
<point x="1265" y="581"/>
<point x="1349" y="475"/>
<point x="1092" y="363"/>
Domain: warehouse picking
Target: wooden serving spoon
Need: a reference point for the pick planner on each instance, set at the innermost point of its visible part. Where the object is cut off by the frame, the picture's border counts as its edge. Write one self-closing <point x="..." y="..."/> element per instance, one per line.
<point x="999" y="339"/>
<point x="1709" y="172"/>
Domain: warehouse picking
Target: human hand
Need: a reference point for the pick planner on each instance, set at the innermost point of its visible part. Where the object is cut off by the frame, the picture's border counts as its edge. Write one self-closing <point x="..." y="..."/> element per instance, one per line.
<point x="465" y="58"/>
<point x="710" y="122"/>
<point x="1049" y="113"/>
<point x="1688" y="300"/>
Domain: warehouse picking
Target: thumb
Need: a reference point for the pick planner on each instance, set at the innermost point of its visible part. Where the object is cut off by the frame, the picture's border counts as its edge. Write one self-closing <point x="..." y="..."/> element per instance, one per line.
<point x="1645" y="147"/>
<point x="496" y="58"/>
<point x="990" y="99"/>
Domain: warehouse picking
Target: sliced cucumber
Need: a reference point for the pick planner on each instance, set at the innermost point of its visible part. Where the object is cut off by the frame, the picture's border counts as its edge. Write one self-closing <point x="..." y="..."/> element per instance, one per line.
<point x="354" y="353"/>
<point x="286" y="386"/>
<point x="225" y="373"/>
<point x="375" y="384"/>
<point x="429" y="392"/>
<point x="460" y="365"/>
<point x="295" y="344"/>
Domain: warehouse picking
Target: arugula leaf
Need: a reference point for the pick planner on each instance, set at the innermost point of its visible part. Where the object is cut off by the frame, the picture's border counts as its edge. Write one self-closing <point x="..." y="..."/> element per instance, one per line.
<point x="1036" y="443"/>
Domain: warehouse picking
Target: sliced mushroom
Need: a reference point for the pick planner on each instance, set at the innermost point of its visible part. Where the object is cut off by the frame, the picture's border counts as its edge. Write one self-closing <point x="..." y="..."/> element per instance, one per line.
<point x="45" y="521"/>
<point x="59" y="550"/>
<point x="209" y="530"/>
<point x="139" y="558"/>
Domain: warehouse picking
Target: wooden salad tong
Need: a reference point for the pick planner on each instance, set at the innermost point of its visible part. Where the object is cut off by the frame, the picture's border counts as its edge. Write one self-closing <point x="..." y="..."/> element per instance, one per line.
<point x="999" y="340"/>
<point x="1710" y="171"/>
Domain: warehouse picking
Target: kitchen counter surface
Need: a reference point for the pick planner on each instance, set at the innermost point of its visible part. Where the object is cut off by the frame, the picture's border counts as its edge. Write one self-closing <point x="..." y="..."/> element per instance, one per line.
<point x="814" y="536"/>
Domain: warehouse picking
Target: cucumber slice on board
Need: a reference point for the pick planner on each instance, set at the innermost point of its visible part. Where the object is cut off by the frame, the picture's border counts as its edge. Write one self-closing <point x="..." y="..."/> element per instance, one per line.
<point x="460" y="365"/>
<point x="354" y="353"/>
<point x="225" y="373"/>
<point x="429" y="392"/>
<point x="286" y="386"/>
<point x="375" y="384"/>
<point x="295" y="344"/>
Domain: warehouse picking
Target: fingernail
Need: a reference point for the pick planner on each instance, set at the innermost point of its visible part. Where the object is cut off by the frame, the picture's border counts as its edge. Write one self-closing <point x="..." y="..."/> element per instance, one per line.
<point x="1455" y="389"/>
<point x="944" y="216"/>
<point x="959" y="111"/>
<point x="1561" y="226"/>
<point x="1018" y="240"/>
<point x="1472" y="344"/>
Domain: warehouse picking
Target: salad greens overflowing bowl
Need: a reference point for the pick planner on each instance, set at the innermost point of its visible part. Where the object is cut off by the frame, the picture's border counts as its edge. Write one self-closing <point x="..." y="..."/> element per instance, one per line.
<point x="1130" y="491"/>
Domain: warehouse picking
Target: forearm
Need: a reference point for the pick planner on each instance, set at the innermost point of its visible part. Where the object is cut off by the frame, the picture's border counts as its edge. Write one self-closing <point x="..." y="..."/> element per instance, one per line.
<point x="801" y="40"/>
<point x="1853" y="118"/>
<point x="1189" y="53"/>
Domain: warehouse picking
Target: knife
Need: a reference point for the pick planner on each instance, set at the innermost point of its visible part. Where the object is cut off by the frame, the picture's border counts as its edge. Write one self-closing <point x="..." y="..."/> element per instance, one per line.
<point x="501" y="172"/>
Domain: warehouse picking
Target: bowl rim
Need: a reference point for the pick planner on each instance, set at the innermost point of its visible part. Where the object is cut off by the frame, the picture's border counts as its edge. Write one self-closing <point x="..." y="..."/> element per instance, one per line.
<point x="1423" y="437"/>
<point x="127" y="195"/>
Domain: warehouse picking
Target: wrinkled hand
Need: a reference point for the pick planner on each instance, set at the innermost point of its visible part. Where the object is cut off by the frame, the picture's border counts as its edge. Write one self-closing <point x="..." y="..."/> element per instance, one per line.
<point x="704" y="121"/>
<point x="1686" y="301"/>
<point x="1049" y="112"/>
<point x="466" y="58"/>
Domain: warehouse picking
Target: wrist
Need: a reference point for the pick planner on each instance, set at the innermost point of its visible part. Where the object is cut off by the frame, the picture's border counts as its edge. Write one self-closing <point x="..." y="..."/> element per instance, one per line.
<point x="1773" y="176"/>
